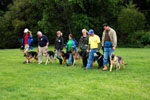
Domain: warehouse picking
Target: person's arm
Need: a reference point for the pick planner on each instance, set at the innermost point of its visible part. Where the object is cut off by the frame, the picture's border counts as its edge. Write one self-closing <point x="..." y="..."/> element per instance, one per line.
<point x="99" y="46"/>
<point x="47" y="44"/>
<point x="62" y="43"/>
<point x="22" y="42"/>
<point x="103" y="36"/>
<point x="88" y="49"/>
<point x="114" y="40"/>
<point x="47" y="41"/>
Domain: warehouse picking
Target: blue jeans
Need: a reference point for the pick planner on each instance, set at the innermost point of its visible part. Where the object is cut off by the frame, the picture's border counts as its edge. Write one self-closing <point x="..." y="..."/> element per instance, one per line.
<point x="91" y="58"/>
<point x="70" y="59"/>
<point x="107" y="53"/>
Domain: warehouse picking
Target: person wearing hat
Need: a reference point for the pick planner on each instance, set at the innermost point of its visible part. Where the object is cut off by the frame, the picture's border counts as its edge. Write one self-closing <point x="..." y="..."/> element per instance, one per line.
<point x="42" y="45"/>
<point x="26" y="41"/>
<point x="94" y="46"/>
<point x="109" y="43"/>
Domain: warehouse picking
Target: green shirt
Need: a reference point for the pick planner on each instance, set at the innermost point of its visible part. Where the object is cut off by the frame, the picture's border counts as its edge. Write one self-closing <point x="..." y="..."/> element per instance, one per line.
<point x="70" y="44"/>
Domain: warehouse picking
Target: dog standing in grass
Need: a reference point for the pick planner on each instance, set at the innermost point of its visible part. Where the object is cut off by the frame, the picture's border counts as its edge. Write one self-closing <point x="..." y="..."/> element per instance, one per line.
<point x="65" y="56"/>
<point x="76" y="55"/>
<point x="49" y="55"/>
<point x="116" y="60"/>
<point x="30" y="55"/>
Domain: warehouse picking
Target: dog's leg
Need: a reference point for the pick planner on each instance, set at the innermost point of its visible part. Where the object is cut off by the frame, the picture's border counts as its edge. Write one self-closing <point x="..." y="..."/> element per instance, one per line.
<point x="74" y="61"/>
<point x="79" y="60"/>
<point x="30" y="59"/>
<point x="111" y="67"/>
<point x="34" y="58"/>
<point x="52" y="59"/>
<point x="27" y="60"/>
<point x="117" y="66"/>
<point x="64" y="61"/>
<point x="123" y="63"/>
<point x="46" y="60"/>
<point x="92" y="64"/>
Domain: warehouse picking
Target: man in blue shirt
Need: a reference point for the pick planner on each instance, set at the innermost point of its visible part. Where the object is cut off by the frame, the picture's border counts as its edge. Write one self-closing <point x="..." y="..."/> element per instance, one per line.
<point x="42" y="45"/>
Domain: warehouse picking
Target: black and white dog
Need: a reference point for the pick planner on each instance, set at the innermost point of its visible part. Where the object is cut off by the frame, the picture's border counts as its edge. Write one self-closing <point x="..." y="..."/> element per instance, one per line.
<point x="98" y="56"/>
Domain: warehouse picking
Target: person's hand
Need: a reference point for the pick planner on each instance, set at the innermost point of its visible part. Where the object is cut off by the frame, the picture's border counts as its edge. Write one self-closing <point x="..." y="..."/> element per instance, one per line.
<point x="87" y="50"/>
<point x="38" y="49"/>
<point x="79" y="49"/>
<point x="114" y="48"/>
<point x="46" y="48"/>
<point x="97" y="50"/>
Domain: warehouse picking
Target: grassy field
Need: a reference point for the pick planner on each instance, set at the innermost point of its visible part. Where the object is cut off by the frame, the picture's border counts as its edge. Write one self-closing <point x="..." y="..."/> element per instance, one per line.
<point x="20" y="81"/>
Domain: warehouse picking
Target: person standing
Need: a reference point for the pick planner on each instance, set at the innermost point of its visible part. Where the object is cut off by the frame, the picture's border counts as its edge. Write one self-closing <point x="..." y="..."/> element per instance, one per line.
<point x="42" y="45"/>
<point x="26" y="42"/>
<point x="109" y="43"/>
<point x="83" y="45"/>
<point x="59" y="43"/>
<point x="94" y="46"/>
<point x="71" y="44"/>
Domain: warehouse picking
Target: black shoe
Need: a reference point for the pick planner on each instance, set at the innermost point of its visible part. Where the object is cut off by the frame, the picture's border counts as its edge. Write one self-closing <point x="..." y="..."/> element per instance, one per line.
<point x="60" y="61"/>
<point x="24" y="62"/>
<point x="67" y="65"/>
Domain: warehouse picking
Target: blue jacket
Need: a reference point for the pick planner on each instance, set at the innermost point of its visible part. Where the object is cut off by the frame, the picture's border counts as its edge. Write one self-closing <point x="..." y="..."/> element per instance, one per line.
<point x="30" y="40"/>
<point x="74" y="44"/>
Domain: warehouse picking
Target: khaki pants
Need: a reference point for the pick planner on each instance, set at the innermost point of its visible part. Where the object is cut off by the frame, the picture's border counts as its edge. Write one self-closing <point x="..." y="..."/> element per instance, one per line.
<point x="26" y="47"/>
<point x="42" y="50"/>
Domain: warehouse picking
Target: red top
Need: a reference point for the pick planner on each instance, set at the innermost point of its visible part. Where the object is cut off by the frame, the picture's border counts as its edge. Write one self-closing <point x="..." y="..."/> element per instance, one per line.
<point x="26" y="39"/>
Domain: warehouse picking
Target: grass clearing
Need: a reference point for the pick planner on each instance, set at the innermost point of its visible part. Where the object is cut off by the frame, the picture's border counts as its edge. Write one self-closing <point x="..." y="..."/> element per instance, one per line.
<point x="20" y="81"/>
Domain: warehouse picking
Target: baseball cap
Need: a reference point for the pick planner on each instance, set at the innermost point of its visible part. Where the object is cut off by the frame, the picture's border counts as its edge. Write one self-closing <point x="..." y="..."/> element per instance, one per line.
<point x="91" y="31"/>
<point x="26" y="30"/>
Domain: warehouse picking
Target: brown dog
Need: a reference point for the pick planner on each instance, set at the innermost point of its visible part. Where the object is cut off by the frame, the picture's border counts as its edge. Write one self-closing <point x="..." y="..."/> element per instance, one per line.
<point x="30" y="55"/>
<point x="76" y="55"/>
<point x="65" y="57"/>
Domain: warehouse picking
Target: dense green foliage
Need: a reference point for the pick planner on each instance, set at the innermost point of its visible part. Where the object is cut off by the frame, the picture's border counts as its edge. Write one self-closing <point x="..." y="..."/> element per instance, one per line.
<point x="20" y="81"/>
<point x="71" y="16"/>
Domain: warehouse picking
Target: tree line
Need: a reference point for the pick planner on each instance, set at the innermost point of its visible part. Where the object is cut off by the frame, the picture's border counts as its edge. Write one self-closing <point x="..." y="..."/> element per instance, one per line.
<point x="130" y="19"/>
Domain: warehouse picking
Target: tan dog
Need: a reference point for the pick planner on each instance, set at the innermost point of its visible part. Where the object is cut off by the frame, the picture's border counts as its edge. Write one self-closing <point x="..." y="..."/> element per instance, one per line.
<point x="65" y="56"/>
<point x="116" y="60"/>
<point x="76" y="55"/>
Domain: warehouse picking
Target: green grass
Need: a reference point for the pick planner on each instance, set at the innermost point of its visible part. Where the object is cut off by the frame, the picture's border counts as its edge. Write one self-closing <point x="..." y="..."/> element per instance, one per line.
<point x="20" y="81"/>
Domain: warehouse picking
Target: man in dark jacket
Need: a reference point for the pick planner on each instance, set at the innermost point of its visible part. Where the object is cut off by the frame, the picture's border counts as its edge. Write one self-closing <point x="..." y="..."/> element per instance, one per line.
<point x="59" y="43"/>
<point x="83" y="45"/>
<point x="43" y="43"/>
